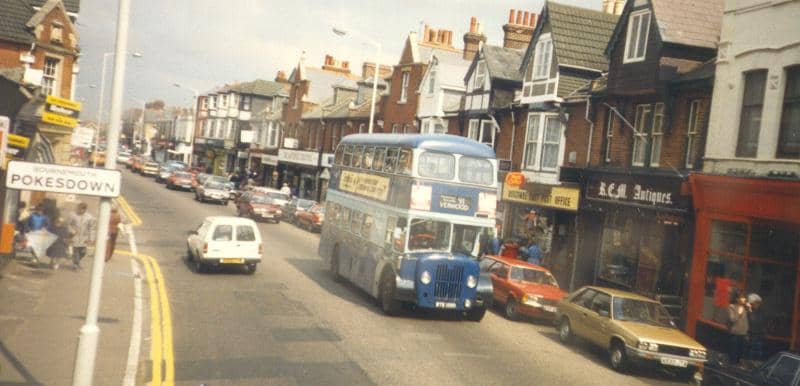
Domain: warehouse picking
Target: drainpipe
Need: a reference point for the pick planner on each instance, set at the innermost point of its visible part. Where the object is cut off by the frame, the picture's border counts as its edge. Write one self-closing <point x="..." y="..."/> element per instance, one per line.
<point x="591" y="129"/>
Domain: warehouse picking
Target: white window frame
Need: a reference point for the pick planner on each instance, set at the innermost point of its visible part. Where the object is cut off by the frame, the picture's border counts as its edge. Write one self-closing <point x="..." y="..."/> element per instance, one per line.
<point x="229" y="129"/>
<point x="51" y="82"/>
<point x="273" y="133"/>
<point x="692" y="130"/>
<point x="477" y="128"/>
<point x="56" y="33"/>
<point x="246" y="99"/>
<point x="480" y="75"/>
<point x="543" y="57"/>
<point x="205" y="103"/>
<point x="404" y="86"/>
<point x="632" y="40"/>
<point x="206" y="128"/>
<point x="395" y="128"/>
<point x="212" y="102"/>
<point x="644" y="114"/>
<point x="223" y="101"/>
<point x="536" y="141"/>
<point x="609" y="133"/>
<point x="234" y="101"/>
<point x="432" y="82"/>
<point x="657" y="134"/>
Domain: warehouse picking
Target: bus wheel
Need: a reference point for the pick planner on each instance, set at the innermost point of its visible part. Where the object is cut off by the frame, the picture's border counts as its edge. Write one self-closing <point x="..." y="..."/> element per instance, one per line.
<point x="476" y="314"/>
<point x="389" y="304"/>
<point x="335" y="264"/>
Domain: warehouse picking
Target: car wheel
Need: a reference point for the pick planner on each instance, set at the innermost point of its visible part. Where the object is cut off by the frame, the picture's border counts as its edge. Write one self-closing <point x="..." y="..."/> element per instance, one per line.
<point x="476" y="314"/>
<point x="616" y="356"/>
<point x="565" y="331"/>
<point x="511" y="309"/>
<point x="189" y="254"/>
<point x="277" y="221"/>
<point x="199" y="266"/>
<point x="251" y="268"/>
<point x="389" y="304"/>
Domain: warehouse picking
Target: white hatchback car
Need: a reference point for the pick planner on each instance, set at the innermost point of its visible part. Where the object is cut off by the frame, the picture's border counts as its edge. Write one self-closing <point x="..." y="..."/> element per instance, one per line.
<point x="225" y="240"/>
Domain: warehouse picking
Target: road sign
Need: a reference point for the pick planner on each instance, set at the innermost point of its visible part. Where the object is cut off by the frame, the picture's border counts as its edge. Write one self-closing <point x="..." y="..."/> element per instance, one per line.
<point x="59" y="120"/>
<point x="63" y="179"/>
<point x="18" y="141"/>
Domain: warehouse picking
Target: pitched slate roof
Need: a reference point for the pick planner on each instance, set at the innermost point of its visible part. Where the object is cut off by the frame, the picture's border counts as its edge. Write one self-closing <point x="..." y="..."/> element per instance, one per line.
<point x="14" y="15"/>
<point x="321" y="83"/>
<point x="260" y="87"/>
<point x="503" y="63"/>
<point x="579" y="35"/>
<point x="73" y="6"/>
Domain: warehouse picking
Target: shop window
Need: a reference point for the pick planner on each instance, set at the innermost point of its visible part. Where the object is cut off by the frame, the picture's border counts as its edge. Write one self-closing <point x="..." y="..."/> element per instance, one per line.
<point x="756" y="258"/>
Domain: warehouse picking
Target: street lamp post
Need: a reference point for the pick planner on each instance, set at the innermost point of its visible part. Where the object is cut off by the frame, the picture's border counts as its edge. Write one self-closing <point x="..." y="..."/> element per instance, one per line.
<point x="100" y="103"/>
<point x="195" y="110"/>
<point x="90" y="332"/>
<point x="343" y="32"/>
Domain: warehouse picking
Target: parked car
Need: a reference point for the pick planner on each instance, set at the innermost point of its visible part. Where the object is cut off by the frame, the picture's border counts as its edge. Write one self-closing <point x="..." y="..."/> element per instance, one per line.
<point x="782" y="369"/>
<point x="123" y="157"/>
<point x="212" y="191"/>
<point x="99" y="158"/>
<point x="227" y="185"/>
<point x="276" y="195"/>
<point x="522" y="288"/>
<point x="257" y="206"/>
<point x="150" y="169"/>
<point x="311" y="219"/>
<point x="225" y="240"/>
<point x="164" y="172"/>
<point x="296" y="205"/>
<point x="180" y="180"/>
<point x="633" y="328"/>
<point x="134" y="162"/>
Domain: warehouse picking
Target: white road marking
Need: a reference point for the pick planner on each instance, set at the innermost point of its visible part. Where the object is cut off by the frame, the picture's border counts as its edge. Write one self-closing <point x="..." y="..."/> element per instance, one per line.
<point x="136" y="332"/>
<point x="465" y="355"/>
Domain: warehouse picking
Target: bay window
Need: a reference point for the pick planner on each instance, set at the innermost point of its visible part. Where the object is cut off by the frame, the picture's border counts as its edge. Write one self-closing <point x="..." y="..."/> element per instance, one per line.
<point x="543" y="142"/>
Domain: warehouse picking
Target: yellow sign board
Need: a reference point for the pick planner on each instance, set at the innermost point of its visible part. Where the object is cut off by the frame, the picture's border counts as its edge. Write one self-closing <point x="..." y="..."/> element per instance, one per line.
<point x="376" y="187"/>
<point x="18" y="141"/>
<point x="556" y="197"/>
<point x="59" y="120"/>
<point x="65" y="103"/>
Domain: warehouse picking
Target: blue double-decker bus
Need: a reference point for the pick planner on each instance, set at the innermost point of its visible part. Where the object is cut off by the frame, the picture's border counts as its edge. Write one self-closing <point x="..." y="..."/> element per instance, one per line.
<point x="405" y="215"/>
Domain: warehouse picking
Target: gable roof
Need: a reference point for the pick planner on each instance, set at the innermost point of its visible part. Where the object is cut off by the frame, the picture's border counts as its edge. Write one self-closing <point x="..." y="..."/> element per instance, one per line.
<point x="13" y="19"/>
<point x="684" y="22"/>
<point x="73" y="6"/>
<point x="503" y="63"/>
<point x="450" y="68"/>
<point x="259" y="87"/>
<point x="579" y="36"/>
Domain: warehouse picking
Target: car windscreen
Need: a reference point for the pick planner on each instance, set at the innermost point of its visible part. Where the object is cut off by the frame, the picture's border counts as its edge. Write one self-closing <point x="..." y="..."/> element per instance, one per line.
<point x="641" y="311"/>
<point x="533" y="276"/>
<point x="261" y="199"/>
<point x="183" y="175"/>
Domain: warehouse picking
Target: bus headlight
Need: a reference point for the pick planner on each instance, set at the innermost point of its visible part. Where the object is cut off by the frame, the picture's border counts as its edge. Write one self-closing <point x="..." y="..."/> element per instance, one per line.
<point x="425" y="278"/>
<point x="471" y="281"/>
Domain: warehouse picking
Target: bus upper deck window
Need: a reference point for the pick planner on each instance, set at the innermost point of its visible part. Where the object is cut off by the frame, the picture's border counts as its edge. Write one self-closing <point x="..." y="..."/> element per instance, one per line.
<point x="348" y="155"/>
<point x="391" y="161"/>
<point x="437" y="165"/>
<point x="404" y="162"/>
<point x="358" y="155"/>
<point x="369" y="156"/>
<point x="377" y="163"/>
<point x="475" y="171"/>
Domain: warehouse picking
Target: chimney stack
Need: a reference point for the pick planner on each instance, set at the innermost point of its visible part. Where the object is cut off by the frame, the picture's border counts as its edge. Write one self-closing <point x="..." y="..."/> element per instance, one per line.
<point x="333" y="65"/>
<point x="281" y="77"/>
<point x="613" y="7"/>
<point x="473" y="39"/>
<point x="437" y="38"/>
<point x="518" y="33"/>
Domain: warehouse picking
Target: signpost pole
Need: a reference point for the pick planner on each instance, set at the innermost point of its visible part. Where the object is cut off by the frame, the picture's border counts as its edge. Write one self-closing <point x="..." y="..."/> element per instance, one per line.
<point x="89" y="333"/>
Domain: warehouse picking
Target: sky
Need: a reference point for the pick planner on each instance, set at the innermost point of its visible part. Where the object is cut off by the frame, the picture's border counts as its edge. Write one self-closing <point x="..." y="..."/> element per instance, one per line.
<point x="201" y="44"/>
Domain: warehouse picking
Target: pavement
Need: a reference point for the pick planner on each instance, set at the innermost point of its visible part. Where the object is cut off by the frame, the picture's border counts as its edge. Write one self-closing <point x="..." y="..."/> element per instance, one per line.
<point x="42" y="311"/>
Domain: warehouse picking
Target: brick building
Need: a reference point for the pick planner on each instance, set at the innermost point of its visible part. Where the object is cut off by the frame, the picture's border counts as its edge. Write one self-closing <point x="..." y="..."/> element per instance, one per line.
<point x="632" y="139"/>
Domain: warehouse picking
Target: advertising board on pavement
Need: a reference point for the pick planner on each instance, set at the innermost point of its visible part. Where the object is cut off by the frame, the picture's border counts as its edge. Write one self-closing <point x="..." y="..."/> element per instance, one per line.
<point x="63" y="179"/>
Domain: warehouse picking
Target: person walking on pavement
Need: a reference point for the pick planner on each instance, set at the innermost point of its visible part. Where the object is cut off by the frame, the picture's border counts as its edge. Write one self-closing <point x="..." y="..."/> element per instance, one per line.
<point x="756" y="330"/>
<point x="285" y="189"/>
<point x="37" y="221"/>
<point x="534" y="253"/>
<point x="738" y="324"/>
<point x="81" y="226"/>
<point x="113" y="231"/>
<point x="58" y="250"/>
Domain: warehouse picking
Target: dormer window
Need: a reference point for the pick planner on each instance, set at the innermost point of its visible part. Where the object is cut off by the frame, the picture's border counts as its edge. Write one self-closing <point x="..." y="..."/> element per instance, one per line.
<point x="480" y="75"/>
<point x="543" y="57"/>
<point x="56" y="33"/>
<point x="638" y="31"/>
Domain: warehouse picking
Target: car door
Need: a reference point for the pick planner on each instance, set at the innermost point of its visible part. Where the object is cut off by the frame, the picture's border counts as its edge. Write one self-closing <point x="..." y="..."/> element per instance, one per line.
<point x="598" y="321"/>
<point x="197" y="240"/>
<point x="579" y="312"/>
<point x="221" y="242"/>
<point x="500" y="281"/>
<point x="247" y="241"/>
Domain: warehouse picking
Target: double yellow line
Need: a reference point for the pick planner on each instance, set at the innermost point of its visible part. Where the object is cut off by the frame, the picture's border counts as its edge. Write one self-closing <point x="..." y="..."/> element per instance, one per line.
<point x="161" y="349"/>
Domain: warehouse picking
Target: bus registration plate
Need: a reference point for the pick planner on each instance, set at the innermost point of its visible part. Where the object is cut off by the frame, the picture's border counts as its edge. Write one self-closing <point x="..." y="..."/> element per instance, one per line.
<point x="446" y="305"/>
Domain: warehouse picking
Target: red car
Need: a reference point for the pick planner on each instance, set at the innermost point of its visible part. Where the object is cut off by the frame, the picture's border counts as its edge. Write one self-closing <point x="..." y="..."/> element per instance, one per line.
<point x="311" y="219"/>
<point x="524" y="289"/>
<point x="180" y="180"/>
<point x="257" y="206"/>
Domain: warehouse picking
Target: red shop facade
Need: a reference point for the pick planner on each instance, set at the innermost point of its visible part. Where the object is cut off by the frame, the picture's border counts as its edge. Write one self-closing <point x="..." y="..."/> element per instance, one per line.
<point x="747" y="239"/>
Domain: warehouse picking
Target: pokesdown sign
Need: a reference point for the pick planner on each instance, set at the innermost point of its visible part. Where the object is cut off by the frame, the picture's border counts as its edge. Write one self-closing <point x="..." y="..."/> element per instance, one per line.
<point x="63" y="179"/>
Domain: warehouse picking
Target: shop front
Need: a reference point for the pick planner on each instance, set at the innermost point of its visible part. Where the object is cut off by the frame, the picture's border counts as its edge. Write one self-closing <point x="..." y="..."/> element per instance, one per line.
<point x="302" y="170"/>
<point x="545" y="214"/>
<point x="266" y="168"/>
<point x="747" y="240"/>
<point x="636" y="234"/>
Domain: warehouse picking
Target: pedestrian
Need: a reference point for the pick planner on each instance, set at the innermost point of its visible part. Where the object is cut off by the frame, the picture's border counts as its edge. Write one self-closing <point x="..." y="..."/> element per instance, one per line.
<point x="738" y="325"/>
<point x="58" y="250"/>
<point x="756" y="330"/>
<point x="534" y="253"/>
<point x="113" y="231"/>
<point x="37" y="221"/>
<point x="285" y="189"/>
<point x="81" y="227"/>
<point x="21" y="224"/>
<point x="495" y="243"/>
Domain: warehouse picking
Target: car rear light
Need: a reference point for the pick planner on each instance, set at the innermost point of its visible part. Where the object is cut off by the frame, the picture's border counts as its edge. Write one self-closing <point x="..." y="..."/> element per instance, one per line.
<point x="205" y="247"/>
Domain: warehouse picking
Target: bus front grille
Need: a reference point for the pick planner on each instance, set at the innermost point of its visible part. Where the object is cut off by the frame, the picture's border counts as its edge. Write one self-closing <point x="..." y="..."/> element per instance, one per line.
<point x="447" y="284"/>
